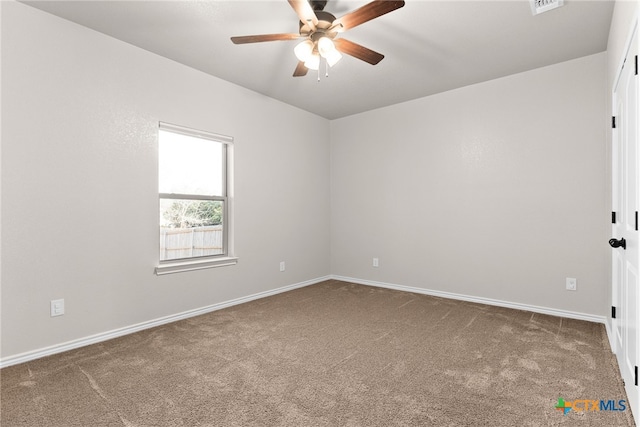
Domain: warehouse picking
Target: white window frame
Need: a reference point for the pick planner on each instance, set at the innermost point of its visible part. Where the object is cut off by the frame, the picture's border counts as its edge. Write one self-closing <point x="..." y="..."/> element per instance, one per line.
<point x="227" y="258"/>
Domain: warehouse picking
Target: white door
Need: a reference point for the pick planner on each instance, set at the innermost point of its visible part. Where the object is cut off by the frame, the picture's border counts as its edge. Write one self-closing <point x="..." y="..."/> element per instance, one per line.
<point x="625" y="253"/>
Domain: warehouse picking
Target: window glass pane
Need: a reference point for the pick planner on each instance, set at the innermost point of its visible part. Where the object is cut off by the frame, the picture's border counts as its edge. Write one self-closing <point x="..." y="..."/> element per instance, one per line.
<point x="189" y="165"/>
<point x="191" y="228"/>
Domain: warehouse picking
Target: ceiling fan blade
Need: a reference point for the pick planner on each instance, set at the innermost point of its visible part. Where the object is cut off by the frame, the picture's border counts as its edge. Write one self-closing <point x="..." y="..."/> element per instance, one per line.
<point x="305" y="13"/>
<point x="264" y="38"/>
<point x="366" y="13"/>
<point x="301" y="70"/>
<point x="357" y="51"/>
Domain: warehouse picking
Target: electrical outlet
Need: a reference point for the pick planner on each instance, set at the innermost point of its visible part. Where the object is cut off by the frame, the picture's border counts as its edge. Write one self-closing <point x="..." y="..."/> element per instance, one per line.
<point x="572" y="284"/>
<point x="57" y="307"/>
<point x="281" y="265"/>
<point x="376" y="262"/>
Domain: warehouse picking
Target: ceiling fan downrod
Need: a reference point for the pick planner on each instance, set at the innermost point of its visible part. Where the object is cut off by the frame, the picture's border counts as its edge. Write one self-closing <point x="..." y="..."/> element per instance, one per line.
<point x="318" y="4"/>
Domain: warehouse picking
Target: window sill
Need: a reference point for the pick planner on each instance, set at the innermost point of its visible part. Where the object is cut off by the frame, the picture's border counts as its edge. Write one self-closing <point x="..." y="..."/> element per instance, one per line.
<point x="191" y="265"/>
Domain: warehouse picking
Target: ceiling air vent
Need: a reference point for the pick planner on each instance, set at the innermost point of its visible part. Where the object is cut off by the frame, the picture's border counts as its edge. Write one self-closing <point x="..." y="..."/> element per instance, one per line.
<point x="540" y="6"/>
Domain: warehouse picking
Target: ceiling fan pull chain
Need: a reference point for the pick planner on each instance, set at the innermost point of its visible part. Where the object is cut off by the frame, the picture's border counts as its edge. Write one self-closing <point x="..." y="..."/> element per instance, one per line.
<point x="326" y="69"/>
<point x="318" y="74"/>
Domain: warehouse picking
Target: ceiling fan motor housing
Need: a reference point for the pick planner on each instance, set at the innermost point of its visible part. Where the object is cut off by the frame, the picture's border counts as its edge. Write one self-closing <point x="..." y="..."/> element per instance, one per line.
<point x="325" y="21"/>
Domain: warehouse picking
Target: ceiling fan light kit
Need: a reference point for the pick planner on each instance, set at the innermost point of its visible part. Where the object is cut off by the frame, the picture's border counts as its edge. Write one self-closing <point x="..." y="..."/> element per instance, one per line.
<point x="319" y="30"/>
<point x="309" y="52"/>
<point x="304" y="50"/>
<point x="326" y="47"/>
<point x="333" y="57"/>
<point x="313" y="62"/>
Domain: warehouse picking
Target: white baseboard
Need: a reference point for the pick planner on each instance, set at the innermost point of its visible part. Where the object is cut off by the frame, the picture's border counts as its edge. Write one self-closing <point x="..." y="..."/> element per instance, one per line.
<point x="480" y="300"/>
<point x="104" y="336"/>
<point x="610" y="336"/>
<point x="93" y="339"/>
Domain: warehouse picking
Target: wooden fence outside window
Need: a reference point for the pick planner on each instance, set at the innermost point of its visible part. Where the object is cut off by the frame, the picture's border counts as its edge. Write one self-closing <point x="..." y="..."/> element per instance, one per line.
<point x="176" y="243"/>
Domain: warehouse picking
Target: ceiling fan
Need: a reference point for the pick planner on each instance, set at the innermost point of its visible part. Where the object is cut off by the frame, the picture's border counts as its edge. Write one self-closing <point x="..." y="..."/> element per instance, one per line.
<point x="320" y="29"/>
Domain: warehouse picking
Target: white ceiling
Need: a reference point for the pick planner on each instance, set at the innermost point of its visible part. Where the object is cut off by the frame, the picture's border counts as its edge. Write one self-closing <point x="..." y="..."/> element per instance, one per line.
<point x="429" y="46"/>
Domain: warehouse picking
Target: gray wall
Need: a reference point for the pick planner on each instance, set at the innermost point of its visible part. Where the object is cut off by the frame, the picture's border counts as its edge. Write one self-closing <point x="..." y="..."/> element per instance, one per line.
<point x="495" y="190"/>
<point x="625" y="13"/>
<point x="79" y="166"/>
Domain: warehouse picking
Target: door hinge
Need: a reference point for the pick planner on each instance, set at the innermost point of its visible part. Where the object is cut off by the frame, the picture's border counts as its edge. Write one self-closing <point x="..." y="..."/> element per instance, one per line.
<point x="613" y="217"/>
<point x="636" y="375"/>
<point x="613" y="312"/>
<point x="636" y="65"/>
<point x="636" y="220"/>
<point x="613" y="122"/>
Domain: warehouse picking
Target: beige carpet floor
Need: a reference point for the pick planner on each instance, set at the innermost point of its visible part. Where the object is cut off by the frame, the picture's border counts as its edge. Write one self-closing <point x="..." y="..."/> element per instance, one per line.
<point x="331" y="354"/>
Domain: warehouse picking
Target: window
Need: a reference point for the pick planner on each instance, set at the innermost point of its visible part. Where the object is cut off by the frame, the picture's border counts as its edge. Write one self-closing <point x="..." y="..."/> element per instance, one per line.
<point x="193" y="183"/>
